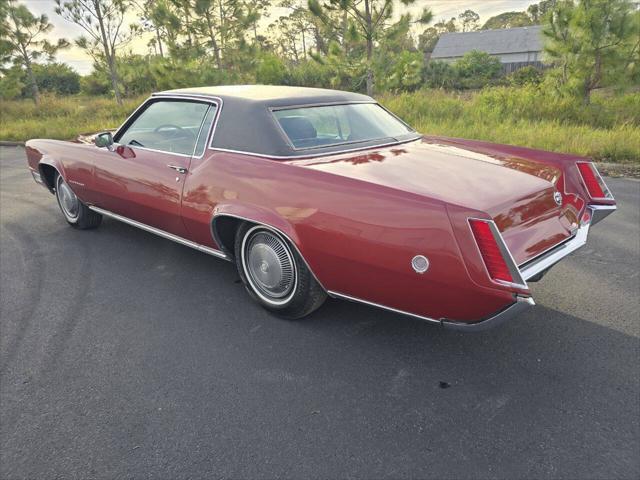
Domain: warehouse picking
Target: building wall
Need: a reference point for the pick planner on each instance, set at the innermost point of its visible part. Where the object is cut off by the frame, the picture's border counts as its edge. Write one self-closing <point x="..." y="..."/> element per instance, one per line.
<point x="521" y="57"/>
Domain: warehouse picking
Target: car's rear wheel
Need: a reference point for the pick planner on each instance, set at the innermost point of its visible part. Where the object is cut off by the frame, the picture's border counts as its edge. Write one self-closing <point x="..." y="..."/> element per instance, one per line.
<point x="274" y="274"/>
<point x="77" y="214"/>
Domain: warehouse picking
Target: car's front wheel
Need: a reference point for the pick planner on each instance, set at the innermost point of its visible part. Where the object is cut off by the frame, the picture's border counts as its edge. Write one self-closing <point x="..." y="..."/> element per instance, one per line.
<point x="77" y="214"/>
<point x="274" y="274"/>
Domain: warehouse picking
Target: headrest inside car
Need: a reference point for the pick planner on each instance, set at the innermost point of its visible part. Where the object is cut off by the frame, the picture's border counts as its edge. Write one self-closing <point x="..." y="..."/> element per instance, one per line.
<point x="298" y="128"/>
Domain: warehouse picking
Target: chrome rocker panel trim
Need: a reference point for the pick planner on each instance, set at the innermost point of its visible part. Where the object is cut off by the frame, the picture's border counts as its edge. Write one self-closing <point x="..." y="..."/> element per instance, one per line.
<point x="161" y="233"/>
<point x="521" y="304"/>
<point x="342" y="296"/>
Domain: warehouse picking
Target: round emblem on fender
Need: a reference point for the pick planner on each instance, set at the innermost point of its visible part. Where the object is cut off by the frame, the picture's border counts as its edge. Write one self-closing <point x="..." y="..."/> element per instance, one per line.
<point x="558" y="198"/>
<point x="420" y="263"/>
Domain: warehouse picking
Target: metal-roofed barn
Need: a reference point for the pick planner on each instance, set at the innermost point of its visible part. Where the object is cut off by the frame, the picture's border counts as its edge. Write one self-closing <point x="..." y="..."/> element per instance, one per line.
<point x="514" y="47"/>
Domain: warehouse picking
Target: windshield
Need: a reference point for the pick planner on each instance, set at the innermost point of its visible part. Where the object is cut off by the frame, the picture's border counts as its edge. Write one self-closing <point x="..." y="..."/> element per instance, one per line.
<point x="309" y="127"/>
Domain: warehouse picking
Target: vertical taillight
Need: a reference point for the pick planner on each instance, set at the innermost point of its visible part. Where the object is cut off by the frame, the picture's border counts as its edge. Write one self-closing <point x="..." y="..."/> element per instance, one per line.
<point x="494" y="253"/>
<point x="593" y="181"/>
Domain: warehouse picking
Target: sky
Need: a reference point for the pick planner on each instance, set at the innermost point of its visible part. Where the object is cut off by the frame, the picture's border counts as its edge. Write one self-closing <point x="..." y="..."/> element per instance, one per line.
<point x="442" y="9"/>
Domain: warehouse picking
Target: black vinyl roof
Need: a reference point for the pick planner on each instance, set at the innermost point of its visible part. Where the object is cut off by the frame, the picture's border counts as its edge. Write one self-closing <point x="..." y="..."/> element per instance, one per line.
<point x="246" y="122"/>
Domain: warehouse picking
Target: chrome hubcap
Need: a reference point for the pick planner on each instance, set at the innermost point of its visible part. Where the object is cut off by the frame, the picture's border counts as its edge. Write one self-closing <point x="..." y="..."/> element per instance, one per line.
<point x="269" y="266"/>
<point x="68" y="200"/>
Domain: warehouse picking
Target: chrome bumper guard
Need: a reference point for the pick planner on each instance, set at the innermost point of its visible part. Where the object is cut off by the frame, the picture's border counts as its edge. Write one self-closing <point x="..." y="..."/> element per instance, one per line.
<point x="535" y="267"/>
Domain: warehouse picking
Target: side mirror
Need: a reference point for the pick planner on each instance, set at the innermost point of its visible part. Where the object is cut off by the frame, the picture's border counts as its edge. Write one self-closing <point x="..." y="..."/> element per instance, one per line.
<point x="104" y="139"/>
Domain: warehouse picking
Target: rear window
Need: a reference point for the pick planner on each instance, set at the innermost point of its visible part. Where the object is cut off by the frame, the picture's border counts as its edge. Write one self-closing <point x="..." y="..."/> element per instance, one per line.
<point x="327" y="125"/>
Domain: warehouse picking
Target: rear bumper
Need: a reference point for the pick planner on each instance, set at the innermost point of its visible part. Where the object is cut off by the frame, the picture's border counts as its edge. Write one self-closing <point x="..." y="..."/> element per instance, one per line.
<point x="535" y="267"/>
<point x="548" y="259"/>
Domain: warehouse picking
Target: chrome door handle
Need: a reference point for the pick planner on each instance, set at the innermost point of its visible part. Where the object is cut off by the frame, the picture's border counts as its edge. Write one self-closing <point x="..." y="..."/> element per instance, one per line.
<point x="178" y="169"/>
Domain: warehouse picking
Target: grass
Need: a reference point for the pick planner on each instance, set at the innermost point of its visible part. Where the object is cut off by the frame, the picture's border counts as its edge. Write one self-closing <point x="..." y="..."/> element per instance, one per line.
<point x="62" y="118"/>
<point x="606" y="130"/>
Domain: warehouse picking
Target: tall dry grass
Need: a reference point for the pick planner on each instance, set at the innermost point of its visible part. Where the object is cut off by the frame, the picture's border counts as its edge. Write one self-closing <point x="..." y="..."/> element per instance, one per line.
<point x="606" y="130"/>
<point x="61" y="117"/>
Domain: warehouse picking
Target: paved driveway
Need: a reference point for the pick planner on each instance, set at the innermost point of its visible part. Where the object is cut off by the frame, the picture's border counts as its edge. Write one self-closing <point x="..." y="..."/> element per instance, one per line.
<point x="126" y="355"/>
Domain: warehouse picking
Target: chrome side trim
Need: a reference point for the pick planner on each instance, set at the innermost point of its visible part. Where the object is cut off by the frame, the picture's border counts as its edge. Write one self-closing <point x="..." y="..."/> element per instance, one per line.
<point x="271" y="227"/>
<point x="521" y="304"/>
<point x="161" y="233"/>
<point x="384" y="307"/>
<point x="312" y="155"/>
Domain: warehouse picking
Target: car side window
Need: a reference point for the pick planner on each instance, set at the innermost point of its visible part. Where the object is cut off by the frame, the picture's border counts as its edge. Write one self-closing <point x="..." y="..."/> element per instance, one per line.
<point x="204" y="130"/>
<point x="167" y="125"/>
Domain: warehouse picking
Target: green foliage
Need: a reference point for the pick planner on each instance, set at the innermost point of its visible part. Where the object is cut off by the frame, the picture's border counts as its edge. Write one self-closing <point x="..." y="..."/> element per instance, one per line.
<point x="22" y="40"/>
<point x="57" y="78"/>
<point x="12" y="83"/>
<point x="428" y="39"/>
<point x="405" y="73"/>
<point x="271" y="70"/>
<point x="469" y="20"/>
<point x="96" y="83"/>
<point x="538" y="11"/>
<point x="529" y="75"/>
<point x="594" y="43"/>
<point x="309" y="74"/>
<point x="135" y="74"/>
<point x="508" y="20"/>
<point x="476" y="69"/>
<point x="438" y="74"/>
<point x="371" y="21"/>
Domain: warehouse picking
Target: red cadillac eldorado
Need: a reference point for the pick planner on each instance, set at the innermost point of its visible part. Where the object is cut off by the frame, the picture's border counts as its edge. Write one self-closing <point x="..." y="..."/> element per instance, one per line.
<point x="315" y="193"/>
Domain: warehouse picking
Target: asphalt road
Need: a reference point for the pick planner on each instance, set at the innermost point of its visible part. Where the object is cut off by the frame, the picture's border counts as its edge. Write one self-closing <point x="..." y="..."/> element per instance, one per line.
<point x="126" y="355"/>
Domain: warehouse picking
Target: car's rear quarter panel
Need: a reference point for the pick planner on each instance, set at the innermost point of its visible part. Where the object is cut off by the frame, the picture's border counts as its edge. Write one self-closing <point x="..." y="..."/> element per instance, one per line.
<point x="358" y="238"/>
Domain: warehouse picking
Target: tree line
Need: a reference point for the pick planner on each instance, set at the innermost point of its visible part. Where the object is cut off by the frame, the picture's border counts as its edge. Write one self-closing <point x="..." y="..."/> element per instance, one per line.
<point x="360" y="45"/>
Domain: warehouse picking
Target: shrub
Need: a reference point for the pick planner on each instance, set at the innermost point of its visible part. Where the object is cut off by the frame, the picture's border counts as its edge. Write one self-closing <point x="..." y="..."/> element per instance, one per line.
<point x="96" y="83"/>
<point x="437" y="74"/>
<point x="271" y="70"/>
<point x="404" y="74"/>
<point x="529" y="75"/>
<point x="477" y="69"/>
<point x="11" y="84"/>
<point x="57" y="78"/>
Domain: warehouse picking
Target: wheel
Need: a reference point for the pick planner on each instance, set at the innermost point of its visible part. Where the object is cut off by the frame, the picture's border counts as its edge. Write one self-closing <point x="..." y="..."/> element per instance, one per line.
<point x="274" y="274"/>
<point x="75" y="212"/>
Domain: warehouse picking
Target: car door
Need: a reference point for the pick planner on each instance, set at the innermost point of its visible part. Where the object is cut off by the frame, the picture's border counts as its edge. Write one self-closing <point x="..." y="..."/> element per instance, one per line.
<point x="143" y="176"/>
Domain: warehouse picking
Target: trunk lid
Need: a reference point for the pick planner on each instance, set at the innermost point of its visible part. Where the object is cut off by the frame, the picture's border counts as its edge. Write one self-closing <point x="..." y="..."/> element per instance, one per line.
<point x="516" y="192"/>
